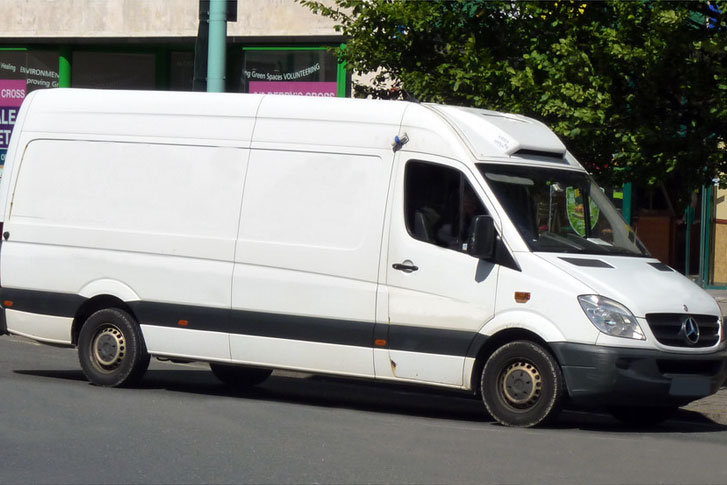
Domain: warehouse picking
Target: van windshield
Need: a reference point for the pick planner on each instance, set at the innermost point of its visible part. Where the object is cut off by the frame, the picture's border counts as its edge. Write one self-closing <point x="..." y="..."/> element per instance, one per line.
<point x="561" y="211"/>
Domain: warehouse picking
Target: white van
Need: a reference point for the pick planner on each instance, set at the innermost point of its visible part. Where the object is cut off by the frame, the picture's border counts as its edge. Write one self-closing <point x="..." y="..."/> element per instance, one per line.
<point x="387" y="240"/>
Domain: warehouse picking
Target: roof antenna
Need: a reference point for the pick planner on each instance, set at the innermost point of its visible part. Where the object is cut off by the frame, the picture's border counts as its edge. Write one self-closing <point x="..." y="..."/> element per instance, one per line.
<point x="410" y="97"/>
<point x="400" y="141"/>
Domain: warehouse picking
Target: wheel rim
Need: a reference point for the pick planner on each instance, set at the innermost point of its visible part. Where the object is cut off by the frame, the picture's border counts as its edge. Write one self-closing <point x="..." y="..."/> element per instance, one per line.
<point x="108" y="348"/>
<point x="521" y="385"/>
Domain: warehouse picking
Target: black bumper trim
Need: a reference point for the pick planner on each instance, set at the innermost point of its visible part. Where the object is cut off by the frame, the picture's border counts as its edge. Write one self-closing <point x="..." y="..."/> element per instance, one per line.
<point x="603" y="376"/>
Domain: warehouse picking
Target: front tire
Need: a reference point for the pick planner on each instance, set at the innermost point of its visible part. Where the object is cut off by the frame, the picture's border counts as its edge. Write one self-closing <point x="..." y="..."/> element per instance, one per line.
<point x="111" y="349"/>
<point x="522" y="385"/>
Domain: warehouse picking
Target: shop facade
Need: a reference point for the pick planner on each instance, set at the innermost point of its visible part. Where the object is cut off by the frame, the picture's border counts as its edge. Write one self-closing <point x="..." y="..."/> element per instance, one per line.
<point x="275" y="46"/>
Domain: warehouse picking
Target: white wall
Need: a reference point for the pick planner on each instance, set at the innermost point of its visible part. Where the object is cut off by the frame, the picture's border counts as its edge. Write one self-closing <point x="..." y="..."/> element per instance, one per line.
<point x="151" y="18"/>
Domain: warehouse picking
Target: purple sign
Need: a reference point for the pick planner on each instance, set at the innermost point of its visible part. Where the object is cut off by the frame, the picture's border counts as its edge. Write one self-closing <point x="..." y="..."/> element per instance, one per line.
<point x="328" y="89"/>
<point x="12" y="93"/>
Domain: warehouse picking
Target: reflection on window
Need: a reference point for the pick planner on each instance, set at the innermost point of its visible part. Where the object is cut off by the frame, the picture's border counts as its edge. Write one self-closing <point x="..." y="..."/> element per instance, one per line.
<point x="561" y="211"/>
<point x="439" y="205"/>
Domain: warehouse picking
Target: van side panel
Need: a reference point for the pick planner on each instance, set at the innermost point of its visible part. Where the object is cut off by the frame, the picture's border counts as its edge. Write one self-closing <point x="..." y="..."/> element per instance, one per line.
<point x="159" y="219"/>
<point x="307" y="260"/>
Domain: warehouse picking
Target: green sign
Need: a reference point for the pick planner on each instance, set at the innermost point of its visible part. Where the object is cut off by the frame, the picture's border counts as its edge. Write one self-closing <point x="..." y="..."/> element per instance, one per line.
<point x="574" y="207"/>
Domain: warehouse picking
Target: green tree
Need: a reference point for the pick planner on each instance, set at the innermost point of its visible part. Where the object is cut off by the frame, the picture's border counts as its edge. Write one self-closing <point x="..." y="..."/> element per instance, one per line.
<point x="637" y="90"/>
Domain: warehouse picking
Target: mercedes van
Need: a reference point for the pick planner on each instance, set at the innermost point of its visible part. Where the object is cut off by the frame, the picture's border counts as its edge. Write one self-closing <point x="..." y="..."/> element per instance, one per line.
<point x="387" y="240"/>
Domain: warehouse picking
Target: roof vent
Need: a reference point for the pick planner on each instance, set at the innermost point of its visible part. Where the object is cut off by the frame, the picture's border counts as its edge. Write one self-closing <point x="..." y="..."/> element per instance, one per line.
<point x="541" y="155"/>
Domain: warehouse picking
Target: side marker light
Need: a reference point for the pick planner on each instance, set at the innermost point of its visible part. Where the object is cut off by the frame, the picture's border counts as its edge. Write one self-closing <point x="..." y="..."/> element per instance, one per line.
<point x="522" y="296"/>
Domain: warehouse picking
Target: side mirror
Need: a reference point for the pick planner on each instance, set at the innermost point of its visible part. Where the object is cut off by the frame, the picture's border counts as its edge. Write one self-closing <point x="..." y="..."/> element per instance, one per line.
<point x="482" y="238"/>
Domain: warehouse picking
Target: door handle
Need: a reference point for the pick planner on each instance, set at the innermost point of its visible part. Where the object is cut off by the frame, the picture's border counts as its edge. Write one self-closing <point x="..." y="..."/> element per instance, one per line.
<point x="406" y="266"/>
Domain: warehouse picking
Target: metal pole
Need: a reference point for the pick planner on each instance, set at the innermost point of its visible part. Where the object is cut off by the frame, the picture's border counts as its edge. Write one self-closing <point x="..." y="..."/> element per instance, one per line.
<point x="627" y="202"/>
<point x="217" y="45"/>
<point x="64" y="67"/>
<point x="702" y="236"/>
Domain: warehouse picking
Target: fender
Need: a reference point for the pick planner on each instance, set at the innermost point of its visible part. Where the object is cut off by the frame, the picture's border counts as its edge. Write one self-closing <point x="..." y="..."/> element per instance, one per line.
<point x="109" y="287"/>
<point x="526" y="320"/>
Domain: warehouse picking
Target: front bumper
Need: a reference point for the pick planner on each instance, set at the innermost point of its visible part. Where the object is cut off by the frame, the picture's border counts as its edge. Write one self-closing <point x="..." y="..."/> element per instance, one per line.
<point x="613" y="376"/>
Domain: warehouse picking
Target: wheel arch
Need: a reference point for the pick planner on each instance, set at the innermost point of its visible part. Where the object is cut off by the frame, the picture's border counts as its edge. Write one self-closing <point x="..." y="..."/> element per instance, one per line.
<point x="91" y="306"/>
<point x="494" y="342"/>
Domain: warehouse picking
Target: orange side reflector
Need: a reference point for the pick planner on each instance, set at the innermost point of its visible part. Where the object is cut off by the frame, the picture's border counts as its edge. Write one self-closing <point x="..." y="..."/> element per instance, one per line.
<point x="183" y="323"/>
<point x="8" y="303"/>
<point x="380" y="342"/>
<point x="522" y="296"/>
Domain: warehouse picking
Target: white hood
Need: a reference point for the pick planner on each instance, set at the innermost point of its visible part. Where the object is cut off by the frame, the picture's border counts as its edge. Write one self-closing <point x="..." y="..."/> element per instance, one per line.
<point x="643" y="285"/>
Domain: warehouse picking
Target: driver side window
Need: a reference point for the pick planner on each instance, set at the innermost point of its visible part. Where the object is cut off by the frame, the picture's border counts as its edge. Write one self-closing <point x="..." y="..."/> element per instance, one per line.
<point x="439" y="205"/>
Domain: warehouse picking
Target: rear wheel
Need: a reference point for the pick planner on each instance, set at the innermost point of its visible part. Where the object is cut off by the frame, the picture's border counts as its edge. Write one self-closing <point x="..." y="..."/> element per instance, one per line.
<point x="239" y="376"/>
<point x="522" y="385"/>
<point x="111" y="349"/>
<point x="643" y="416"/>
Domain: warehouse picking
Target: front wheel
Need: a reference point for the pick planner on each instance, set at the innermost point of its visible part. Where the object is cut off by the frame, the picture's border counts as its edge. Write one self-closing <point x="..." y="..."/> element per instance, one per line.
<point x="111" y="349"/>
<point x="522" y="385"/>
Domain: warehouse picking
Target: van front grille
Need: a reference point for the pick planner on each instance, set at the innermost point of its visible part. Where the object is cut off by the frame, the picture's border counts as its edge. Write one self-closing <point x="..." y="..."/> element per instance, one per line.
<point x="668" y="329"/>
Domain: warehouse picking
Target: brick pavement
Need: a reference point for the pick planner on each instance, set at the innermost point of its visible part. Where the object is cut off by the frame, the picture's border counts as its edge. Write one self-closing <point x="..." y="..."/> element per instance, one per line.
<point x="714" y="407"/>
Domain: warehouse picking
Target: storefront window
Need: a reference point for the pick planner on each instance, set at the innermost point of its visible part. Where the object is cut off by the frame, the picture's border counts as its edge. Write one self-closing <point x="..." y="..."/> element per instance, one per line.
<point x="113" y="70"/>
<point x="181" y="71"/>
<point x="22" y="71"/>
<point x="305" y="72"/>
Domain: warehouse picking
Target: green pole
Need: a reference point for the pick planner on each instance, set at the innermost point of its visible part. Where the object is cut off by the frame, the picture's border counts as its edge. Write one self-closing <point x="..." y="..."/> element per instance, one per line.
<point x="702" y="236"/>
<point x="341" y="76"/>
<point x="216" y="54"/>
<point x="626" y="206"/>
<point x="64" y="67"/>
<point x="689" y="220"/>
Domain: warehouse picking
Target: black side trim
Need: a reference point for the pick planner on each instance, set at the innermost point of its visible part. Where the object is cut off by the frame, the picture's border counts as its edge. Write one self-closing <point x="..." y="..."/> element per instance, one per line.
<point x="3" y="322"/>
<point x="661" y="266"/>
<point x="477" y="343"/>
<point x="169" y="315"/>
<point x="240" y="322"/>
<point x="587" y="263"/>
<point x="430" y="340"/>
<point x="42" y="302"/>
<point x="310" y="329"/>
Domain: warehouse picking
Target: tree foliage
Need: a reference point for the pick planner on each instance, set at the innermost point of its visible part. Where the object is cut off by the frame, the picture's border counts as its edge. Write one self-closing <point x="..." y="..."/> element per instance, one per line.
<point x="636" y="89"/>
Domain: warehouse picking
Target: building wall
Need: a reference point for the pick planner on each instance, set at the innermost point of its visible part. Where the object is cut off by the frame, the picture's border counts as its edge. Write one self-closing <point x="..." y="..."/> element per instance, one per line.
<point x="152" y="18"/>
<point x="720" y="237"/>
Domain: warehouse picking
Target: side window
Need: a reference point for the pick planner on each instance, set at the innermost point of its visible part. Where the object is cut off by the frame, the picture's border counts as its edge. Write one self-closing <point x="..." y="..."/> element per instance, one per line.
<point x="439" y="205"/>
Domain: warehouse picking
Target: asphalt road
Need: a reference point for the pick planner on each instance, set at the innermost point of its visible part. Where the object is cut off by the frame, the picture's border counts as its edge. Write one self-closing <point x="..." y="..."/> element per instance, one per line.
<point x="182" y="426"/>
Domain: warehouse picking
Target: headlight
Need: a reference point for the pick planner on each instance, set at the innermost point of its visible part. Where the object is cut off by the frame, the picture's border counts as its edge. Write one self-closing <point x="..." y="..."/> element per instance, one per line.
<point x="610" y="317"/>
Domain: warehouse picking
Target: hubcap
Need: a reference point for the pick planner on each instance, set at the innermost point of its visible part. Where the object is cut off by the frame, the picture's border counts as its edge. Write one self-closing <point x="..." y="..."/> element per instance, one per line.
<point x="521" y="385"/>
<point x="109" y="347"/>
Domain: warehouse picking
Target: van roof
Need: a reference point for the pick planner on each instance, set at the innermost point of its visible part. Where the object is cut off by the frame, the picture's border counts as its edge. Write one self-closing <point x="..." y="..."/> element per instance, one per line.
<point x="491" y="132"/>
<point x="233" y="118"/>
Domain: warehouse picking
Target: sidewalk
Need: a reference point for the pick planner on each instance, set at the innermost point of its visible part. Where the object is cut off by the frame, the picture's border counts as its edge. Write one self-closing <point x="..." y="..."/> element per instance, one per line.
<point x="721" y="297"/>
<point x="714" y="407"/>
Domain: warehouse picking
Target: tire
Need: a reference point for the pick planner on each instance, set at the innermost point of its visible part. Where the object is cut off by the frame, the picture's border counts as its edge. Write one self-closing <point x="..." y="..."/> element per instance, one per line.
<point x="111" y="349"/>
<point x="238" y="376"/>
<point x="643" y="416"/>
<point x="522" y="385"/>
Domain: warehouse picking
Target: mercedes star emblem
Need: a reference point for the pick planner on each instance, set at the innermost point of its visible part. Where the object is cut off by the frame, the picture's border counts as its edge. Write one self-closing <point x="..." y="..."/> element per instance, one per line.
<point x="690" y="330"/>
